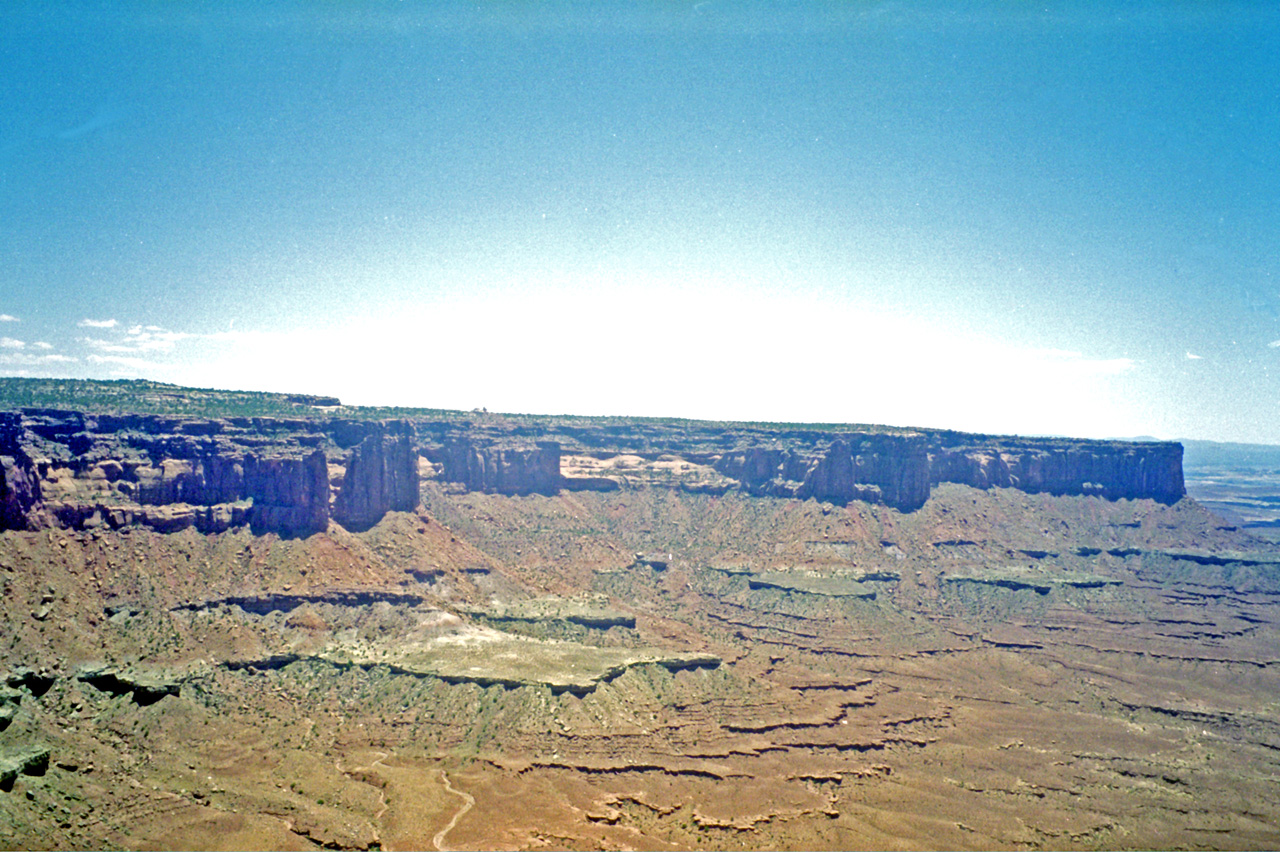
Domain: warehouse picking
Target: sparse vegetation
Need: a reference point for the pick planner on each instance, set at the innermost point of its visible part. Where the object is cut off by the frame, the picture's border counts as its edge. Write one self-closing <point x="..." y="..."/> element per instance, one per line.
<point x="140" y="396"/>
<point x="994" y="668"/>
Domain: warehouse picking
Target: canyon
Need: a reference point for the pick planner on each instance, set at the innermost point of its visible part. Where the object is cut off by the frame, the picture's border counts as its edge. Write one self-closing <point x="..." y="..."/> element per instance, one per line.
<point x="249" y="620"/>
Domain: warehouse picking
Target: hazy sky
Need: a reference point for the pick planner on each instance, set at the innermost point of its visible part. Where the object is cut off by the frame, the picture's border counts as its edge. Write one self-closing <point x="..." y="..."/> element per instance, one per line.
<point x="1050" y="218"/>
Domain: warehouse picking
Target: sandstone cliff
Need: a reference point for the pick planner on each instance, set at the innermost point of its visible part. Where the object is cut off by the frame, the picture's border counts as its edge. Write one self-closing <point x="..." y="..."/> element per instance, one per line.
<point x="290" y="495"/>
<point x="1111" y="469"/>
<point x="898" y="467"/>
<point x="69" y="469"/>
<point x="877" y="468"/>
<point x="381" y="475"/>
<point x="507" y="468"/>
<point x="292" y="475"/>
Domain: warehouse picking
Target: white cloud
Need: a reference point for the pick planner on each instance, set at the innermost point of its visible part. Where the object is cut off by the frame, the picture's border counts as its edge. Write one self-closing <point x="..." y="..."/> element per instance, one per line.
<point x="1078" y="362"/>
<point x="139" y="364"/>
<point x="8" y="318"/>
<point x="1191" y="356"/>
<point x="1275" y="344"/>
<point x="28" y="360"/>
<point x="138" y="340"/>
<point x="40" y="344"/>
<point x="10" y="343"/>
<point x="154" y="339"/>
<point x="148" y="351"/>
<point x="104" y="345"/>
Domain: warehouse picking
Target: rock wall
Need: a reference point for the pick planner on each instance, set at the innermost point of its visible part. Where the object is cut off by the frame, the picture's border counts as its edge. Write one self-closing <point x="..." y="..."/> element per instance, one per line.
<point x="877" y="468"/>
<point x="19" y="487"/>
<point x="1112" y="469"/>
<point x="505" y="469"/>
<point x="68" y="469"/>
<point x="19" y="492"/>
<point x="898" y="468"/>
<point x="381" y="476"/>
<point x="290" y="495"/>
<point x="291" y="476"/>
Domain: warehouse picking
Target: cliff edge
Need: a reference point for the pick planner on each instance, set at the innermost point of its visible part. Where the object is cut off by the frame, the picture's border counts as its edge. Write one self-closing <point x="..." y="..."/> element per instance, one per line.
<point x="76" y="470"/>
<point x="293" y="475"/>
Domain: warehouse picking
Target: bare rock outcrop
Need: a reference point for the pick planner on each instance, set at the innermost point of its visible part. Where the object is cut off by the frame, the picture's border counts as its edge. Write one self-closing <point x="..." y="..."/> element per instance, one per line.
<point x="290" y="475"/>
<point x="506" y="469"/>
<point x="1112" y="469"/>
<point x="69" y="469"/>
<point x="381" y="476"/>
<point x="19" y="491"/>
<point x="878" y="468"/>
<point x="894" y="467"/>
<point x="290" y="495"/>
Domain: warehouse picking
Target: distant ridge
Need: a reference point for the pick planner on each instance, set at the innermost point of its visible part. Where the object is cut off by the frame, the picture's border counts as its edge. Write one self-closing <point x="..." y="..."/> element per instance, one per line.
<point x="1212" y="454"/>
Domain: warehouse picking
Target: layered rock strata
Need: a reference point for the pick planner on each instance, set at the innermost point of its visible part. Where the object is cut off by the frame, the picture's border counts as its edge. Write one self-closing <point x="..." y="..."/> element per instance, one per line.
<point x="292" y="475"/>
<point x="876" y="468"/>
<point x="898" y="468"/>
<point x="1112" y="469"/>
<point x="381" y="476"/>
<point x="73" y="470"/>
<point x="520" y="468"/>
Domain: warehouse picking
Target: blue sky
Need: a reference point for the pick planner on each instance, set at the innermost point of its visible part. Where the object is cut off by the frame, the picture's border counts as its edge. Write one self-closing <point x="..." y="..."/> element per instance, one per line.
<point x="1056" y="218"/>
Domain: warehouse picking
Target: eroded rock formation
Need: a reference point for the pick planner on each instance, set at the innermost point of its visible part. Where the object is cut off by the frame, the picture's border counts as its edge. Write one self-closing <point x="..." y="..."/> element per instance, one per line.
<point x="672" y="663"/>
<point x="381" y="476"/>
<point x="1112" y="469"/>
<point x="483" y="465"/>
<point x="876" y="468"/>
<point x="72" y="470"/>
<point x="897" y="468"/>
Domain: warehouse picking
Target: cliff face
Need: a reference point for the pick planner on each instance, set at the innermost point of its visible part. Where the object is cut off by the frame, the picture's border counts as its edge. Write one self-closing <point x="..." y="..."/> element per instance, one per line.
<point x="483" y="465"/>
<point x="292" y="476"/>
<point x="290" y="495"/>
<point x="879" y="468"/>
<point x="895" y="467"/>
<point x="19" y="491"/>
<point x="1115" y="470"/>
<point x="67" y="469"/>
<point x="381" y="476"/>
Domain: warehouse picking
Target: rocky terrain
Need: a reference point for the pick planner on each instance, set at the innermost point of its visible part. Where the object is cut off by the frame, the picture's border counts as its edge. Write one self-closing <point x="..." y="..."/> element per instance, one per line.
<point x="243" y="621"/>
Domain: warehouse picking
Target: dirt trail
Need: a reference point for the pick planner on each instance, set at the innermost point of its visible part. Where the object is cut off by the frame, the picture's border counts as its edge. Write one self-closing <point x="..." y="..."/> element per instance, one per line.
<point x="382" y="793"/>
<point x="468" y="802"/>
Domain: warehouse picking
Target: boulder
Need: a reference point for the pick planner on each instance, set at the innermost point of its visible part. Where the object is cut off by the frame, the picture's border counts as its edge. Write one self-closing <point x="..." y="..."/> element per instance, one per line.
<point x="144" y="687"/>
<point x="30" y="761"/>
